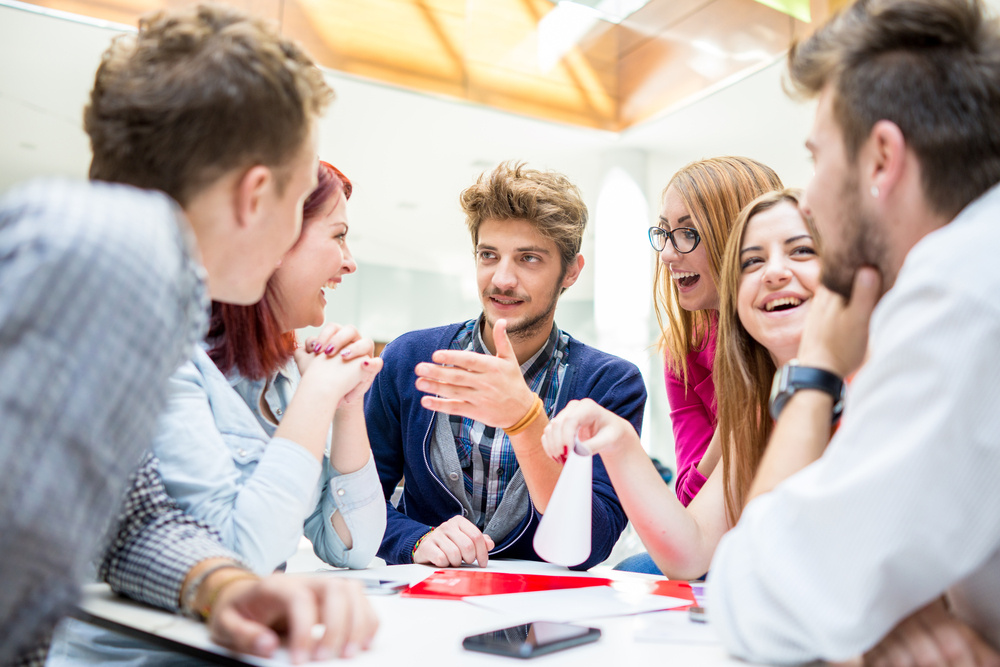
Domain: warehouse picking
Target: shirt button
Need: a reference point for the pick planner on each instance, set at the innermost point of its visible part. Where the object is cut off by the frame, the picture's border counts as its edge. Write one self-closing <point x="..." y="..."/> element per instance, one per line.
<point x="340" y="492"/>
<point x="242" y="452"/>
<point x="453" y="476"/>
<point x="279" y="411"/>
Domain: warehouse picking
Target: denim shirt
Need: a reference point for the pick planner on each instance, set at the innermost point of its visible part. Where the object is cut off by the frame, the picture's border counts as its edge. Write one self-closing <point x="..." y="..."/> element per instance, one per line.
<point x="220" y="461"/>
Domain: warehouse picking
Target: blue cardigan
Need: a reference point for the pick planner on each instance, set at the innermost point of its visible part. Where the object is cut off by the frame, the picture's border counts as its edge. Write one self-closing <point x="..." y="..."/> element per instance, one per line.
<point x="400" y="431"/>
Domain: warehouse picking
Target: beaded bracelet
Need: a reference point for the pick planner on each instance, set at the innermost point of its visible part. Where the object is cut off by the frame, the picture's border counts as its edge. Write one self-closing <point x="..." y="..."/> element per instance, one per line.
<point x="536" y="409"/>
<point x="416" y="545"/>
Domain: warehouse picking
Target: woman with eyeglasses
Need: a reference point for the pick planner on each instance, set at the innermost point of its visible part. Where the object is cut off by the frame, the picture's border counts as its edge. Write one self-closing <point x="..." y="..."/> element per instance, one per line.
<point x="769" y="272"/>
<point x="700" y="205"/>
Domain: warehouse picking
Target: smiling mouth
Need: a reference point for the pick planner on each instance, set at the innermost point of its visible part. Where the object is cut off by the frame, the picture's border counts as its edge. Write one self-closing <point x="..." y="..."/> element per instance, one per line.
<point x="331" y="284"/>
<point x="786" y="303"/>
<point x="503" y="301"/>
<point x="686" y="278"/>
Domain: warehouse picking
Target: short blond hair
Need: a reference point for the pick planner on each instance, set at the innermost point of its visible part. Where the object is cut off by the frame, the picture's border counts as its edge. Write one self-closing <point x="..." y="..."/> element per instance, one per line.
<point x="546" y="199"/>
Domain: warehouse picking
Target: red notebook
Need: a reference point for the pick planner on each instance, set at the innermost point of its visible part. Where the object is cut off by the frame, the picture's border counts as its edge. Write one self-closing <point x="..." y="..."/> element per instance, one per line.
<point x="675" y="589"/>
<point x="455" y="584"/>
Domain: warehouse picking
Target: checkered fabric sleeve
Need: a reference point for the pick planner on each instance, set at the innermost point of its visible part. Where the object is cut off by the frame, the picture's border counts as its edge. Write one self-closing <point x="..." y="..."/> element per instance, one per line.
<point x="156" y="543"/>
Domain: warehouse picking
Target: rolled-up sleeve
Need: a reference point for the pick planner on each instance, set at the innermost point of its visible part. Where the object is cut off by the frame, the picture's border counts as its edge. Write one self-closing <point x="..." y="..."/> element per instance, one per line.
<point x="357" y="496"/>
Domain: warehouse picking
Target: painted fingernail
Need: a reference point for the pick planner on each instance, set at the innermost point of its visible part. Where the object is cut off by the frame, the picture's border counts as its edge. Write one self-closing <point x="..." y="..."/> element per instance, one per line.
<point x="366" y="364"/>
<point x="330" y="349"/>
<point x="346" y="352"/>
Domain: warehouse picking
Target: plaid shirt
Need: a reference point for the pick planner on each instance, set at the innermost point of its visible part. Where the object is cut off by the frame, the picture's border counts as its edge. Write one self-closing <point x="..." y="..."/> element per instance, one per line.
<point x="100" y="301"/>
<point x="485" y="452"/>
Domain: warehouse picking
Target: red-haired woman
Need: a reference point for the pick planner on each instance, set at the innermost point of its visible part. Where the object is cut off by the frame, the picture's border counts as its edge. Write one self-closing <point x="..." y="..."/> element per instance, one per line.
<point x="247" y="443"/>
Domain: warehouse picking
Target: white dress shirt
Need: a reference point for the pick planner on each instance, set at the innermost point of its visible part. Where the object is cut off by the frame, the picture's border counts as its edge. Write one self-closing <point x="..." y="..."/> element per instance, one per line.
<point x="905" y="503"/>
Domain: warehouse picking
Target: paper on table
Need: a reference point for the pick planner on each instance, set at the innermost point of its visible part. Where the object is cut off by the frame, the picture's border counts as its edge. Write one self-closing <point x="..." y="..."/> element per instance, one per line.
<point x="675" y="628"/>
<point x="576" y="603"/>
<point x="563" y="534"/>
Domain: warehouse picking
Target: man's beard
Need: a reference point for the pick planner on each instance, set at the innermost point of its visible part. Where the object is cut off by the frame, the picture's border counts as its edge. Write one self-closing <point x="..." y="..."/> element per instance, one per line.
<point x="861" y="244"/>
<point x="530" y="326"/>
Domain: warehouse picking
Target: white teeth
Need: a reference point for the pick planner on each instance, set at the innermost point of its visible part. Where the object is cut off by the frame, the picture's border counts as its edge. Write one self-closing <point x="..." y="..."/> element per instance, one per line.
<point x="787" y="301"/>
<point x="684" y="274"/>
<point x="331" y="284"/>
<point x="505" y="302"/>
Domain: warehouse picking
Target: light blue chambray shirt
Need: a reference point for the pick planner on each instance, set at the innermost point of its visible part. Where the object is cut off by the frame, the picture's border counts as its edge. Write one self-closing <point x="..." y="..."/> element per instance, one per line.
<point x="220" y="461"/>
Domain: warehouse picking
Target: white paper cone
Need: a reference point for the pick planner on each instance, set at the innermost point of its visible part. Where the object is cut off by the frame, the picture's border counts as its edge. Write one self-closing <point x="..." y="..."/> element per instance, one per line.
<point x="563" y="535"/>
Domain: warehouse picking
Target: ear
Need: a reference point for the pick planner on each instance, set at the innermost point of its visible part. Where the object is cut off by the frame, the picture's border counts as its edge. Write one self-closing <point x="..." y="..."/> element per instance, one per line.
<point x="573" y="271"/>
<point x="885" y="154"/>
<point x="250" y="192"/>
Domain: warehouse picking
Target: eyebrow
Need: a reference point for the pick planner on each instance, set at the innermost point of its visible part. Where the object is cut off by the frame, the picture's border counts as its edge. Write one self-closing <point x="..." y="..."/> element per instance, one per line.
<point x="788" y="241"/>
<point x="684" y="218"/>
<point x="531" y="248"/>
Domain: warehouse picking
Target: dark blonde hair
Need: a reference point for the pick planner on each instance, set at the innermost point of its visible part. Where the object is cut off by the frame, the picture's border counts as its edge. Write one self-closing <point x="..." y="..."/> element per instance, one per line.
<point x="932" y="67"/>
<point x="713" y="192"/>
<point x="198" y="92"/>
<point x="744" y="368"/>
<point x="546" y="199"/>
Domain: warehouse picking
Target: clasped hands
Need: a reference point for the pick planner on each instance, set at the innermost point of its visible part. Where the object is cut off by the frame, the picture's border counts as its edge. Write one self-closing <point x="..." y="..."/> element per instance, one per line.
<point x="345" y="356"/>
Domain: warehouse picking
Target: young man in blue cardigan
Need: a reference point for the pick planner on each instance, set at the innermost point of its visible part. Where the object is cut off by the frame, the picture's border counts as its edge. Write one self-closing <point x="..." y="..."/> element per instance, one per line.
<point x="459" y="410"/>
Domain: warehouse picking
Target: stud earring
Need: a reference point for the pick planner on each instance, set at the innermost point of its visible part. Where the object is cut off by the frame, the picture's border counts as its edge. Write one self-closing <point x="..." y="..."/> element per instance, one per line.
<point x="875" y="191"/>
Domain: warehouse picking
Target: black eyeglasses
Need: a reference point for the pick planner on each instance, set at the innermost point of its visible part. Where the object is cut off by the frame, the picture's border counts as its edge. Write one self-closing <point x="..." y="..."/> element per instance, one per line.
<point x="683" y="239"/>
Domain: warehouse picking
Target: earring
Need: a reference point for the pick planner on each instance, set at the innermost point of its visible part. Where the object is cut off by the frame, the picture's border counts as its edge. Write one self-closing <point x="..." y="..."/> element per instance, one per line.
<point x="875" y="191"/>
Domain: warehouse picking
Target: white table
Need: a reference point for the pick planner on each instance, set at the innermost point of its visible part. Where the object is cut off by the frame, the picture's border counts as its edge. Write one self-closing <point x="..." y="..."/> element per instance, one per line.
<point x="417" y="631"/>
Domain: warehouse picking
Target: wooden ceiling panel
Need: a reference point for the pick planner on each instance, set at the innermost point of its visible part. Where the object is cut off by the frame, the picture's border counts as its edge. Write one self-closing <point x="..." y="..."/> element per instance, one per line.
<point x="127" y="12"/>
<point x="488" y="51"/>
<point x="395" y="34"/>
<point x="654" y="18"/>
<point x="727" y="37"/>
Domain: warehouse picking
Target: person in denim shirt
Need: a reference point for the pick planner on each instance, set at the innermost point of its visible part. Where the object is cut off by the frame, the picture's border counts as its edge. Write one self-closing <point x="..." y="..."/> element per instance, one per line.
<point x="220" y="455"/>
<point x="258" y="463"/>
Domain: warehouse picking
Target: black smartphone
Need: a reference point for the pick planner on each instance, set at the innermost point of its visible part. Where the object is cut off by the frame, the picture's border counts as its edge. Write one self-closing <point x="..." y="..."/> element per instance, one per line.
<point x="531" y="639"/>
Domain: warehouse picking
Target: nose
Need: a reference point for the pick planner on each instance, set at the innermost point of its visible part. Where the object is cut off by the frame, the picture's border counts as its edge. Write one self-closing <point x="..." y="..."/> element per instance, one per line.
<point x="349" y="265"/>
<point x="776" y="271"/>
<point x="505" y="277"/>
<point x="669" y="253"/>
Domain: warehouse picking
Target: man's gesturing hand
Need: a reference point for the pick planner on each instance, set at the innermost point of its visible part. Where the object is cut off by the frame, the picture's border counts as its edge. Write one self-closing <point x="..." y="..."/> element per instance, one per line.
<point x="485" y="388"/>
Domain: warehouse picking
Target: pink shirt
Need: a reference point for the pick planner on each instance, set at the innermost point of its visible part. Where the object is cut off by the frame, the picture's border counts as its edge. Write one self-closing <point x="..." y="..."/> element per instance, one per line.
<point x="693" y="415"/>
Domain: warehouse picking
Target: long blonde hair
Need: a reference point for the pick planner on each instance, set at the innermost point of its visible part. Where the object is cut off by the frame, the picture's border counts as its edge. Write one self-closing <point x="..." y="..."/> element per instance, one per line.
<point x="713" y="192"/>
<point x="744" y="368"/>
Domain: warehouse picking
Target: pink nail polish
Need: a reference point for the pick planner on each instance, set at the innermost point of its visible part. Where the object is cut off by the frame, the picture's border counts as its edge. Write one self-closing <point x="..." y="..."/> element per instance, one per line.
<point x="330" y="349"/>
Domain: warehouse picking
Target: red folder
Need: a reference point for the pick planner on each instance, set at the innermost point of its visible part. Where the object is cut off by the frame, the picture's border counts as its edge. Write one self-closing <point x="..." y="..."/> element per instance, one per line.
<point x="456" y="584"/>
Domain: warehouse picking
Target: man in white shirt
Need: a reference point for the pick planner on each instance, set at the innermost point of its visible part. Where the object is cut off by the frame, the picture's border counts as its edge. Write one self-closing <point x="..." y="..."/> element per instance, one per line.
<point x="889" y="544"/>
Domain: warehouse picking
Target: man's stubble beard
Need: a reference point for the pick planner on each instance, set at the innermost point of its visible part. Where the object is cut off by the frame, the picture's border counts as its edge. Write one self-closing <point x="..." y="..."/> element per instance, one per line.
<point x="861" y="244"/>
<point x="531" y="326"/>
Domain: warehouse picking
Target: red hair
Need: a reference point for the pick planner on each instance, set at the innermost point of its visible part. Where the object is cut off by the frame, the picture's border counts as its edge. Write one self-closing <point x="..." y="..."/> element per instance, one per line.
<point x="249" y="338"/>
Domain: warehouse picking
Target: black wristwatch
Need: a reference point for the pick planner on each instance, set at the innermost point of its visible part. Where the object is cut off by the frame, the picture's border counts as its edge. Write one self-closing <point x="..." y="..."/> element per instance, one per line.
<point x="791" y="377"/>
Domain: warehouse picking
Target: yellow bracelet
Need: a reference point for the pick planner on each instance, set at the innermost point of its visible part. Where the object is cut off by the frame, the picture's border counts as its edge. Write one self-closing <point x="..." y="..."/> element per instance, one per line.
<point x="240" y="575"/>
<point x="537" y="408"/>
